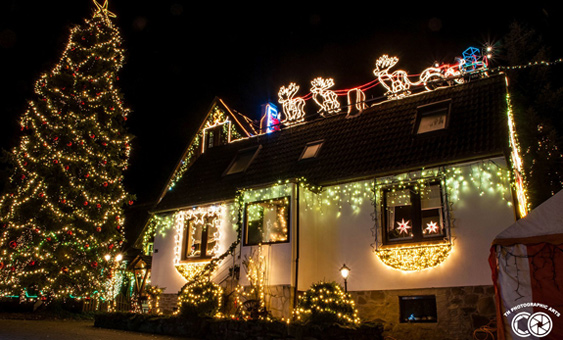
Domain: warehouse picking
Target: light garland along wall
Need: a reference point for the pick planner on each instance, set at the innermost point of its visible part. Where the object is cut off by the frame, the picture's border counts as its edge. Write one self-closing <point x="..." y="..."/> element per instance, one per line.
<point x="519" y="179"/>
<point x="348" y="203"/>
<point x="342" y="224"/>
<point x="481" y="178"/>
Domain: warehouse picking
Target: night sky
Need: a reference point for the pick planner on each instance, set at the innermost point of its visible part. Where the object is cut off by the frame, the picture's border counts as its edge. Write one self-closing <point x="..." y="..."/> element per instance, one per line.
<point x="181" y="55"/>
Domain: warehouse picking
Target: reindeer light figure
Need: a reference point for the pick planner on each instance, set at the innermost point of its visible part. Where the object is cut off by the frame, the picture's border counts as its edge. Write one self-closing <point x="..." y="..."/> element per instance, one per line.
<point x="292" y="107"/>
<point x="396" y="83"/>
<point x="325" y="98"/>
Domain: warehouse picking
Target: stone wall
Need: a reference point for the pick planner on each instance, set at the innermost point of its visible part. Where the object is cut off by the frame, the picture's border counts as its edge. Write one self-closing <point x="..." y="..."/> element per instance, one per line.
<point x="460" y="311"/>
<point x="279" y="301"/>
<point x="168" y="303"/>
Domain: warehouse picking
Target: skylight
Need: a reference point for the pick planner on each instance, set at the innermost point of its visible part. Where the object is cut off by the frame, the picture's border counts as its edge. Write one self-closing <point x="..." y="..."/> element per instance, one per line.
<point x="433" y="117"/>
<point x="242" y="160"/>
<point x="311" y="150"/>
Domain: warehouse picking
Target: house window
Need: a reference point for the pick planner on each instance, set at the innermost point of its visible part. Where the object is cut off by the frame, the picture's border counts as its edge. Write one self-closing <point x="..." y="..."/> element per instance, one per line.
<point x="413" y="213"/>
<point x="242" y="160"/>
<point x="433" y="117"/>
<point x="267" y="221"/>
<point x="311" y="150"/>
<point x="149" y="247"/>
<point x="200" y="238"/>
<point x="418" y="308"/>
<point x="213" y="137"/>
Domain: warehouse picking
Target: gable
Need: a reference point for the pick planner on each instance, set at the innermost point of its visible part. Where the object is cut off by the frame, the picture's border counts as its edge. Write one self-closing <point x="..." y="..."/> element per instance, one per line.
<point x="381" y="141"/>
<point x="220" y="119"/>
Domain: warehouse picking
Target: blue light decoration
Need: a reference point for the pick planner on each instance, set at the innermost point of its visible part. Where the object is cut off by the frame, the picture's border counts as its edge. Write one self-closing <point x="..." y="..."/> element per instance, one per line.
<point x="270" y="118"/>
<point x="473" y="61"/>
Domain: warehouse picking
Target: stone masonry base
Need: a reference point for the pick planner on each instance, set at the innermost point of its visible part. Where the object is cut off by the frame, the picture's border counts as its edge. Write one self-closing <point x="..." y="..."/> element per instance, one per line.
<point x="460" y="311"/>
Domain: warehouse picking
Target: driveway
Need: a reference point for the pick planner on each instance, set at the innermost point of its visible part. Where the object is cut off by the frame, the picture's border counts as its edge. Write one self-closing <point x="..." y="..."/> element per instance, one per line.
<point x="67" y="330"/>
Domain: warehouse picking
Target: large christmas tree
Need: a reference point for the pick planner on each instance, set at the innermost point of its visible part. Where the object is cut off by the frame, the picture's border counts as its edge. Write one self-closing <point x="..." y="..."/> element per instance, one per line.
<point x="63" y="213"/>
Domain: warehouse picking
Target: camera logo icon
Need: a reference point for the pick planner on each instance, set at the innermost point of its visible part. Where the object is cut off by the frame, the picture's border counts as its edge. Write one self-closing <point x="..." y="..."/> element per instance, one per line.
<point x="525" y="324"/>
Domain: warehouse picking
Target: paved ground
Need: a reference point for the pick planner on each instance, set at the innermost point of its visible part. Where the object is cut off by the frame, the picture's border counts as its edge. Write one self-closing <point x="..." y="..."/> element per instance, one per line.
<point x="67" y="330"/>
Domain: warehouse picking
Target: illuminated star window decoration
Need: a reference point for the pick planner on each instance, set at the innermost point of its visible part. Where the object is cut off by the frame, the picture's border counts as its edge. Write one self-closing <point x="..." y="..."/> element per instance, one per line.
<point x="432" y="227"/>
<point x="403" y="226"/>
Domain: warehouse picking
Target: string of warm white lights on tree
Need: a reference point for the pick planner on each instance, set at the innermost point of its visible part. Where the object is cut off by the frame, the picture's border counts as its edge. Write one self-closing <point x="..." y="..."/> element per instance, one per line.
<point x="64" y="208"/>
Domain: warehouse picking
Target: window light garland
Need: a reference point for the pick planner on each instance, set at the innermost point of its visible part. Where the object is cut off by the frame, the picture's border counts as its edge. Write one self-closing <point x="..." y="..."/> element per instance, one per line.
<point x="484" y="177"/>
<point x="414" y="258"/>
<point x="189" y="270"/>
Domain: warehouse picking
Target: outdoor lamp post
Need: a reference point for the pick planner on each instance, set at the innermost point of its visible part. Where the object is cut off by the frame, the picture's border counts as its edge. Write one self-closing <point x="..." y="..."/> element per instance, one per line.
<point x="345" y="271"/>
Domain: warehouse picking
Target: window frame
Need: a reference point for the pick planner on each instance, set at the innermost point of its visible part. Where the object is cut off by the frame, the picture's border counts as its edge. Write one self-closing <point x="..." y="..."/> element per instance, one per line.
<point x="431" y="109"/>
<point x="416" y="216"/>
<point x="204" y="240"/>
<point x="245" y="230"/>
<point x="311" y="144"/>
<point x="255" y="149"/>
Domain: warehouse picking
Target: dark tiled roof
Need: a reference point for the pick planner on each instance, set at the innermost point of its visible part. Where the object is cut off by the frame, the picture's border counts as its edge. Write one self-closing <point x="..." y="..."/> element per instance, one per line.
<point x="379" y="142"/>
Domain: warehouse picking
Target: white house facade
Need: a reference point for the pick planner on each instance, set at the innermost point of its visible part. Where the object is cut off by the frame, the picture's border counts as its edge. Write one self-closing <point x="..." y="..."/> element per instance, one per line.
<point x="408" y="193"/>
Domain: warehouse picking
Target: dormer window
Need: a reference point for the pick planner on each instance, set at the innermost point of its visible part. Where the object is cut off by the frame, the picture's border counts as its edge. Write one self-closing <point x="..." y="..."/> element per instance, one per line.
<point x="311" y="150"/>
<point x="433" y="117"/>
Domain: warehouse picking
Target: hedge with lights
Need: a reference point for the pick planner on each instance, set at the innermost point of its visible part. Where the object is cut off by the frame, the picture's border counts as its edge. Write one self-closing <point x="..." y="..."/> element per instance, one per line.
<point x="63" y="210"/>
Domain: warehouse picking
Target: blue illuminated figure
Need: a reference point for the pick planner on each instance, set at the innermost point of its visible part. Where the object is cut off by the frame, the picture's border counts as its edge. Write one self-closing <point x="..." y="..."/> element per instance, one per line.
<point x="473" y="61"/>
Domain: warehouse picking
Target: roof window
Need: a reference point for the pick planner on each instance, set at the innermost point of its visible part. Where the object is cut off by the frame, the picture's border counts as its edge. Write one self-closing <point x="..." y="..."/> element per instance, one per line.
<point x="433" y="117"/>
<point x="311" y="150"/>
<point x="242" y="160"/>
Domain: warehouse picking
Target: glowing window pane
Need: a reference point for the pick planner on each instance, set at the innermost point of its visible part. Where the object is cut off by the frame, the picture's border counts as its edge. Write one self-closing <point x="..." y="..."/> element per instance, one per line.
<point x="413" y="213"/>
<point x="267" y="221"/>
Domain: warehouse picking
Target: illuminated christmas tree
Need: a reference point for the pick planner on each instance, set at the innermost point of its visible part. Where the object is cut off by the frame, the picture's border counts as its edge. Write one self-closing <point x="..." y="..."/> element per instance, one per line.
<point x="63" y="212"/>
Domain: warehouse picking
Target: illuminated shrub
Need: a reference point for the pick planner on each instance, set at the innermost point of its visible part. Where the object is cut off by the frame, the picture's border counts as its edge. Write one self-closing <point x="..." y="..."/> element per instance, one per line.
<point x="200" y="299"/>
<point x="326" y="303"/>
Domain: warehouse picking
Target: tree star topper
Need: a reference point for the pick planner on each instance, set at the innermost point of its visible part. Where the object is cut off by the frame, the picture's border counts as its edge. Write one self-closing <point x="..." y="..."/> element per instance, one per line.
<point x="103" y="9"/>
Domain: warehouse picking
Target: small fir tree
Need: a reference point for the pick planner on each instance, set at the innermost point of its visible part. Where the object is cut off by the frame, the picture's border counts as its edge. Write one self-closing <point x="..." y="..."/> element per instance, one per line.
<point x="62" y="213"/>
<point x="200" y="298"/>
<point x="325" y="303"/>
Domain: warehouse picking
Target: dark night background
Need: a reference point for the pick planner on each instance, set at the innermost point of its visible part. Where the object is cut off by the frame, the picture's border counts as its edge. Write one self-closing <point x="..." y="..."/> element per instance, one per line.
<point x="180" y="55"/>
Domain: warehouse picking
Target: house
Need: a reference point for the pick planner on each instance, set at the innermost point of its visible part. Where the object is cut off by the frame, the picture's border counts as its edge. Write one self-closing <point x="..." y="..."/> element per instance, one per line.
<point x="408" y="192"/>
